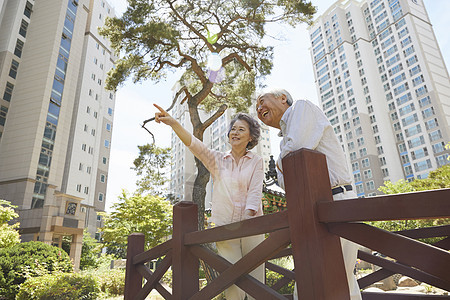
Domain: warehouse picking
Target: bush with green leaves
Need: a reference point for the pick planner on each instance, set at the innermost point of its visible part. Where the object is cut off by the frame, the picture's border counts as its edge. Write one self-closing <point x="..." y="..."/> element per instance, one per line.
<point x="9" y="234"/>
<point x="59" y="286"/>
<point x="112" y="282"/>
<point x="30" y="259"/>
<point x="273" y="277"/>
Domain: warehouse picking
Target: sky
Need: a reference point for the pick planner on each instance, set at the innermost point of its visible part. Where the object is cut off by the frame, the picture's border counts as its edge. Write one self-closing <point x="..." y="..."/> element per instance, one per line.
<point x="292" y="70"/>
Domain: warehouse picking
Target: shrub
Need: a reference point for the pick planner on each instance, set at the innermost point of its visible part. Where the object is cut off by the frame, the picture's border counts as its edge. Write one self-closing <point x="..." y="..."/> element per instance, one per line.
<point x="112" y="282"/>
<point x="59" y="286"/>
<point x="26" y="260"/>
<point x="273" y="277"/>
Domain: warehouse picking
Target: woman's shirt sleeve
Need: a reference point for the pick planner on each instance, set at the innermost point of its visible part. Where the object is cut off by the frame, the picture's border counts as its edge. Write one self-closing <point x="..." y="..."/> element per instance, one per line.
<point x="205" y="155"/>
<point x="254" y="194"/>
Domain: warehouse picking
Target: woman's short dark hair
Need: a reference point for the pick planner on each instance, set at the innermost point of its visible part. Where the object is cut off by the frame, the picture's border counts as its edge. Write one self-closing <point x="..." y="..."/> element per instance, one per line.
<point x="253" y="125"/>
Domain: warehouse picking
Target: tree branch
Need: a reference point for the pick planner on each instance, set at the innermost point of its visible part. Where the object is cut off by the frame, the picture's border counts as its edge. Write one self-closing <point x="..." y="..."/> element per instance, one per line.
<point x="188" y="25"/>
<point x="232" y="56"/>
<point x="187" y="95"/>
<point x="215" y="116"/>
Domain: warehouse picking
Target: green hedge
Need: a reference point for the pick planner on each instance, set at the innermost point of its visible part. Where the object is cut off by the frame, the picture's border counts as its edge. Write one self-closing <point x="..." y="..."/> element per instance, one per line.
<point x="112" y="282"/>
<point x="59" y="286"/>
<point x="26" y="260"/>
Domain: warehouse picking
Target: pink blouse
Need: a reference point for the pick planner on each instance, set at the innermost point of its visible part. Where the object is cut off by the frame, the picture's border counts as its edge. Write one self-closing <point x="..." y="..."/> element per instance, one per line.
<point x="237" y="186"/>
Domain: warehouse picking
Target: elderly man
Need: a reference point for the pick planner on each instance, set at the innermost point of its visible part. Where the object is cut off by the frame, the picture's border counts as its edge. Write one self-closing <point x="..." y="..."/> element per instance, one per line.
<point x="303" y="125"/>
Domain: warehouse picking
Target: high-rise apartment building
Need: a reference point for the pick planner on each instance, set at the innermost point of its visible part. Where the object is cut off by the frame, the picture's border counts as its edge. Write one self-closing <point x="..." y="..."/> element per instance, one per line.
<point x="384" y="86"/>
<point x="56" y="117"/>
<point x="184" y="170"/>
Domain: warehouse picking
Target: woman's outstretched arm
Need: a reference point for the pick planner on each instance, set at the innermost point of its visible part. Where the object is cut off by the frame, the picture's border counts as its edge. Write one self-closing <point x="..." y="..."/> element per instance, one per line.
<point x="163" y="116"/>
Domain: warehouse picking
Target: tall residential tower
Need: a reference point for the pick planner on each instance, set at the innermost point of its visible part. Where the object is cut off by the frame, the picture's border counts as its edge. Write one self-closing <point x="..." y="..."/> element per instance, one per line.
<point x="383" y="84"/>
<point x="56" y="117"/>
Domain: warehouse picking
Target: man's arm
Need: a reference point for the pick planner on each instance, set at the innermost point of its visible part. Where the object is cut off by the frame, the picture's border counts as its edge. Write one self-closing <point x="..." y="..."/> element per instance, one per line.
<point x="304" y="129"/>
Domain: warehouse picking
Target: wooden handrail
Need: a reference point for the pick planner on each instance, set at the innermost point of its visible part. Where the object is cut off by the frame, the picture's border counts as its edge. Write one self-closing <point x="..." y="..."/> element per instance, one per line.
<point x="312" y="224"/>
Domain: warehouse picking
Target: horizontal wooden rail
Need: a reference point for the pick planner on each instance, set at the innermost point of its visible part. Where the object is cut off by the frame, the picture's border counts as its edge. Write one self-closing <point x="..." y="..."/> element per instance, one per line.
<point x="418" y="205"/>
<point x="241" y="229"/>
<point x="153" y="253"/>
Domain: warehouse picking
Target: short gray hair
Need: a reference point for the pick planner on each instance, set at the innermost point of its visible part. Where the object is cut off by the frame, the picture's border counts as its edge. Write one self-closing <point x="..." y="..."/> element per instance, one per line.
<point x="276" y="92"/>
<point x="253" y="125"/>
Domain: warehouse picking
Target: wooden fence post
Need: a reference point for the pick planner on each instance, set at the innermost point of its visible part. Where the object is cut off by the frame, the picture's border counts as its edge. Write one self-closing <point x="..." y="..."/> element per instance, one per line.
<point x="185" y="266"/>
<point x="319" y="265"/>
<point x="133" y="280"/>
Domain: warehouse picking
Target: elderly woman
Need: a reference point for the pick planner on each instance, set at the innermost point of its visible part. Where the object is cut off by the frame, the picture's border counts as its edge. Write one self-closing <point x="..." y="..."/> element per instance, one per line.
<point x="237" y="184"/>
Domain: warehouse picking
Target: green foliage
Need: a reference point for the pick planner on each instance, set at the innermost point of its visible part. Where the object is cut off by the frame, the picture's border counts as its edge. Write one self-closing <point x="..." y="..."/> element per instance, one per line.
<point x="27" y="260"/>
<point x="437" y="179"/>
<point x="155" y="37"/>
<point x="112" y="282"/>
<point x="59" y="286"/>
<point x="272" y="277"/>
<point x="90" y="252"/>
<point x="150" y="165"/>
<point x="9" y="236"/>
<point x="150" y="215"/>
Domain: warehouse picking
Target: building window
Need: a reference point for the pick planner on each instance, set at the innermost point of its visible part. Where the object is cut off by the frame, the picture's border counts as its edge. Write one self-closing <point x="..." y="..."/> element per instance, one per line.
<point x="13" y="68"/>
<point x="100" y="197"/>
<point x="18" y="48"/>
<point x="23" y="28"/>
<point x="3" y="112"/>
<point x="108" y="127"/>
<point x="86" y="190"/>
<point x="365" y="162"/>
<point x="28" y="9"/>
<point x="110" y="111"/>
<point x="8" y="91"/>
<point x="106" y="144"/>
<point x="78" y="187"/>
<point x="102" y="178"/>
<point x="368" y="174"/>
<point x="370" y="185"/>
<point x="104" y="160"/>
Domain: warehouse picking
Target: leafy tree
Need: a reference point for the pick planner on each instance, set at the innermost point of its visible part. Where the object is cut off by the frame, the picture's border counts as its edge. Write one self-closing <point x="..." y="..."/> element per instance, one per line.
<point x="9" y="236"/>
<point x="90" y="252"/>
<point x="437" y="179"/>
<point x="150" y="165"/>
<point x="158" y="36"/>
<point x="398" y="187"/>
<point x="150" y="215"/>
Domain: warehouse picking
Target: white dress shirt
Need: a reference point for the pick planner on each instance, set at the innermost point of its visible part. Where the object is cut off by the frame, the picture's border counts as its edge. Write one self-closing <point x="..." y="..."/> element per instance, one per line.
<point x="304" y="125"/>
<point x="237" y="186"/>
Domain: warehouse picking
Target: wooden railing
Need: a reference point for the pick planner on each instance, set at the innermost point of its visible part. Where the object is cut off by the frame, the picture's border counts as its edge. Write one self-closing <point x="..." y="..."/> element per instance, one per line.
<point x="312" y="225"/>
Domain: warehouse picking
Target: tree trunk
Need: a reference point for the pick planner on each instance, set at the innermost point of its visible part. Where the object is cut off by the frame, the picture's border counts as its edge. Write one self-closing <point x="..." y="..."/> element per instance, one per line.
<point x="199" y="192"/>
